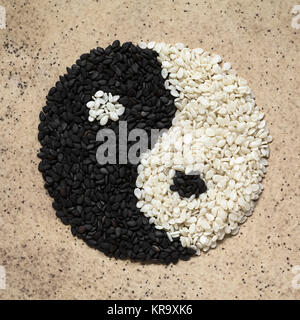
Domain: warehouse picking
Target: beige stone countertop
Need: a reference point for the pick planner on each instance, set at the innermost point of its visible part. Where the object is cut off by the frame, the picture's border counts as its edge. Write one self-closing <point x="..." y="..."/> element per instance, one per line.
<point x="41" y="258"/>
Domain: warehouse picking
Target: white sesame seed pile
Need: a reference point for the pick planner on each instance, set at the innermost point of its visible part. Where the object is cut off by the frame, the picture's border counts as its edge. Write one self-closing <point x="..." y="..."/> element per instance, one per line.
<point x="218" y="131"/>
<point x="104" y="107"/>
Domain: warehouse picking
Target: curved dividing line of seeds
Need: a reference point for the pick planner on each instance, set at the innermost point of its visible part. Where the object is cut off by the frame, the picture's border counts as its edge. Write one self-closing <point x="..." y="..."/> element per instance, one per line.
<point x="219" y="131"/>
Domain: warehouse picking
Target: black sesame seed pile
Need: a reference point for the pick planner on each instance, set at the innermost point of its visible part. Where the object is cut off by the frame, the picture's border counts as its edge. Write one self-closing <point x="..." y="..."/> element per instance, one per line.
<point x="98" y="201"/>
<point x="187" y="185"/>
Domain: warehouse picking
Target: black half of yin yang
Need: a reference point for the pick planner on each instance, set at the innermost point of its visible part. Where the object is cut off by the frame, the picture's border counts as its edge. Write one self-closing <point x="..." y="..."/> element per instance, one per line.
<point x="98" y="201"/>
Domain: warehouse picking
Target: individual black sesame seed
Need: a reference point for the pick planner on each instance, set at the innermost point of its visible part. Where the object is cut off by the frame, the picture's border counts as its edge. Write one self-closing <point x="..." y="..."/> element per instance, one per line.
<point x="98" y="200"/>
<point x="115" y="44"/>
<point x="42" y="116"/>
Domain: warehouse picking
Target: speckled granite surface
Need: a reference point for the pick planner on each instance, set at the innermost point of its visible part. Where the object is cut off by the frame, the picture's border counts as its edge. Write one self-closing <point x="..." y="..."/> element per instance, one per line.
<point x="41" y="257"/>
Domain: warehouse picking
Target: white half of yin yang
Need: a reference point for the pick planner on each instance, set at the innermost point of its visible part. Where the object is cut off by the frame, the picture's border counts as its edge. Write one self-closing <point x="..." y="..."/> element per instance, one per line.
<point x="218" y="131"/>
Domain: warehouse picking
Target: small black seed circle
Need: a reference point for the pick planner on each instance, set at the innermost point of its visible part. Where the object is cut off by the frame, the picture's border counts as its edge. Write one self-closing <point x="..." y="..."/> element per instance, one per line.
<point x="188" y="184"/>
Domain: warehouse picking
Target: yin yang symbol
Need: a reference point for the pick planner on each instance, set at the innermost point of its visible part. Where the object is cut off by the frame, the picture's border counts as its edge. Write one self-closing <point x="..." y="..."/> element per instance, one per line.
<point x="196" y="183"/>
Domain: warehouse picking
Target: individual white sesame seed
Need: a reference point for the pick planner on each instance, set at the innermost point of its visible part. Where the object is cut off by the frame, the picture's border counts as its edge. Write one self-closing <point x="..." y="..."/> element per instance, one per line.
<point x="104" y="120"/>
<point x="97" y="104"/>
<point x="139" y="204"/>
<point x="90" y="104"/>
<point x="204" y="224"/>
<point x="188" y="138"/>
<point x="203" y="240"/>
<point x="120" y="111"/>
<point x="110" y="106"/>
<point x="166" y="64"/>
<point x="143" y="45"/>
<point x="113" y="116"/>
<point x="99" y="112"/>
<point x="174" y="93"/>
<point x="210" y="132"/>
<point x="92" y="113"/>
<point x="235" y="231"/>
<point x="105" y="97"/>
<point x="99" y="94"/>
<point x="179" y="46"/>
<point x="216" y="59"/>
<point x="239" y="160"/>
<point x="164" y="73"/>
<point x="227" y="66"/>
<point x="180" y="73"/>
<point x="255" y="143"/>
<point x="101" y="100"/>
<point x="151" y="45"/>
<point x="221" y="143"/>
<point x="115" y="99"/>
<point x="158" y="47"/>
<point x="137" y="193"/>
<point x="169" y="237"/>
